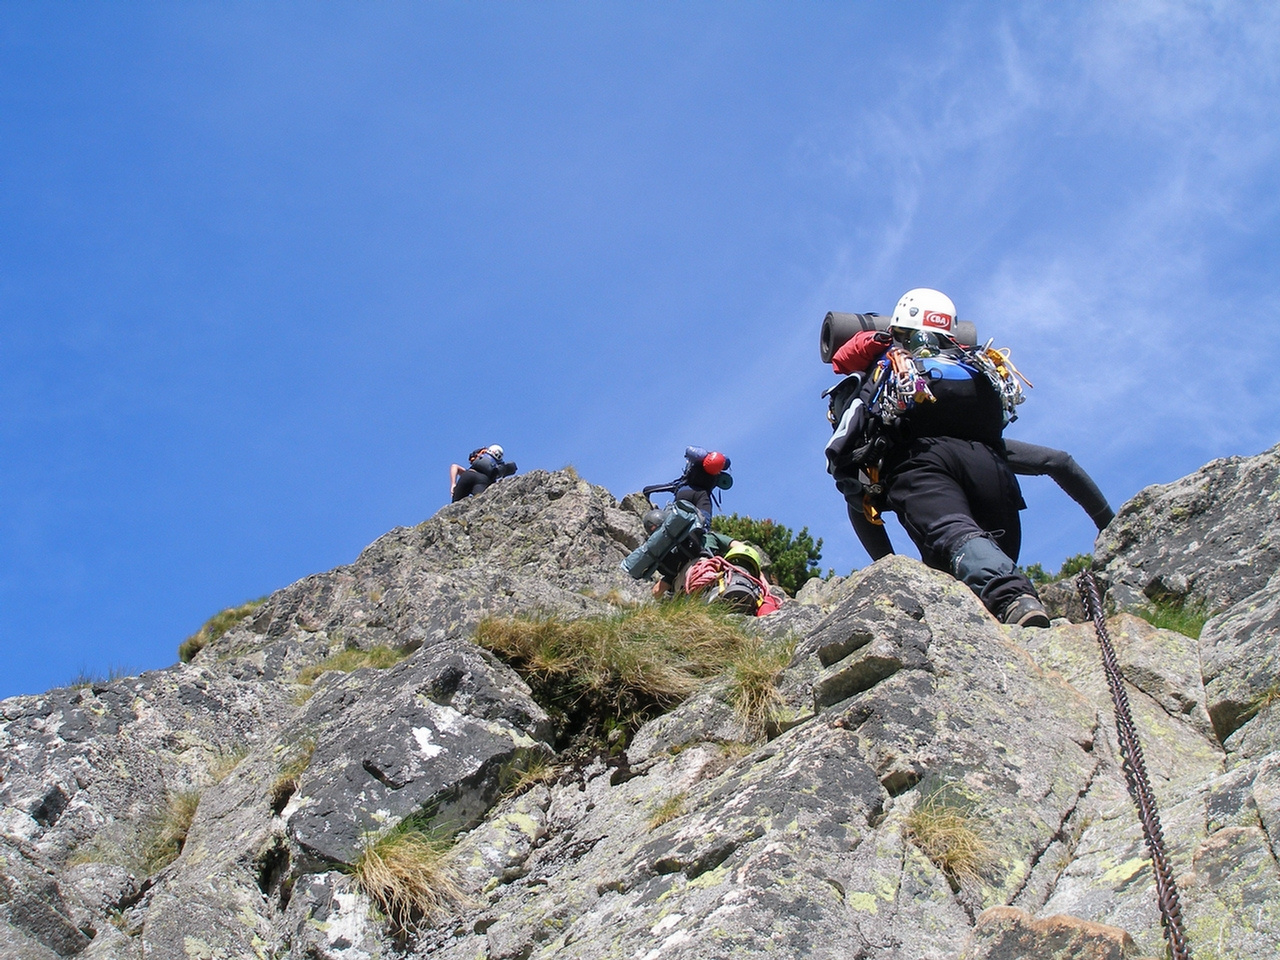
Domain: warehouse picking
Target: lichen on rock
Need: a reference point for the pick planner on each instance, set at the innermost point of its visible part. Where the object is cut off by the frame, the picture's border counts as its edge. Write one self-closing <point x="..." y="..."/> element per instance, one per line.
<point x="697" y="837"/>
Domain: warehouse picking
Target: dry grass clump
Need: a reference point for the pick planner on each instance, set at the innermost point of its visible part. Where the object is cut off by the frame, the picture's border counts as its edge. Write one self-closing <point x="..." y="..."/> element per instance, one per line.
<point x="286" y="784"/>
<point x="226" y="761"/>
<point x="651" y="654"/>
<point x="753" y="676"/>
<point x="946" y="833"/>
<point x="537" y="770"/>
<point x="409" y="874"/>
<point x="346" y="661"/>
<point x="168" y="834"/>
<point x="215" y="627"/>
<point x="90" y="678"/>
<point x="667" y="810"/>
<point x="619" y="670"/>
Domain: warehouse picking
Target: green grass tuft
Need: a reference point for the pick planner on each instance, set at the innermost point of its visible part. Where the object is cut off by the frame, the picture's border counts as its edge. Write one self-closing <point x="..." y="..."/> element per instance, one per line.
<point x="410" y="874"/>
<point x="1178" y="615"/>
<point x="346" y="661"/>
<point x="215" y="627"/>
<point x="527" y="772"/>
<point x="620" y="669"/>
<point x="666" y="811"/>
<point x="946" y="833"/>
<point x="286" y="784"/>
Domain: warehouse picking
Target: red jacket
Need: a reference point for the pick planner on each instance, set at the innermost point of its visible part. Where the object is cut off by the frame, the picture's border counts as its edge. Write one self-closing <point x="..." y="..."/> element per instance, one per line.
<point x="858" y="353"/>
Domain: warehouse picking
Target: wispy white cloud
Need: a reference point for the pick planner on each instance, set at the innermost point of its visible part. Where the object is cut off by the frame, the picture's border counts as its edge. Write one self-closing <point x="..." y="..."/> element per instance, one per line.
<point x="1191" y="89"/>
<point x="1185" y="96"/>
<point x="1098" y="186"/>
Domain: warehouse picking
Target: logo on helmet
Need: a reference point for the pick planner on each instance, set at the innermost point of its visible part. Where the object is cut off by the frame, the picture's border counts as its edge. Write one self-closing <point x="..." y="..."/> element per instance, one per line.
<point x="942" y="321"/>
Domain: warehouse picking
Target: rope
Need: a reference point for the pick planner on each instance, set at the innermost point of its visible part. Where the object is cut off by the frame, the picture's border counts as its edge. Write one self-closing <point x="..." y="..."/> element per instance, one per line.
<point x="1135" y="774"/>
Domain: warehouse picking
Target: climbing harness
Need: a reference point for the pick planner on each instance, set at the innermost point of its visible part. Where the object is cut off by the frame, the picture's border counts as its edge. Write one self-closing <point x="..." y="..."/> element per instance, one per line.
<point x="1135" y="774"/>
<point x="907" y="386"/>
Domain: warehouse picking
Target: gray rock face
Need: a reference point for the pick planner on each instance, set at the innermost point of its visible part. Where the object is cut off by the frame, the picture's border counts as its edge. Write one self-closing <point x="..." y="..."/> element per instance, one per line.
<point x="435" y="734"/>
<point x="906" y="712"/>
<point x="1212" y="538"/>
<point x="1240" y="657"/>
<point x="535" y="542"/>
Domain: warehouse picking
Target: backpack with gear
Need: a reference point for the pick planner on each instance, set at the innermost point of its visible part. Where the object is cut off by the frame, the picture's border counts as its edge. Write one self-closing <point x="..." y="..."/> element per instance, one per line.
<point x="680" y="525"/>
<point x="719" y="581"/>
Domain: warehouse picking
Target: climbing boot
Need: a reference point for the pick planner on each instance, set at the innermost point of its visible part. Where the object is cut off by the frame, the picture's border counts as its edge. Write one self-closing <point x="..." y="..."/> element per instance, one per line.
<point x="1026" y="611"/>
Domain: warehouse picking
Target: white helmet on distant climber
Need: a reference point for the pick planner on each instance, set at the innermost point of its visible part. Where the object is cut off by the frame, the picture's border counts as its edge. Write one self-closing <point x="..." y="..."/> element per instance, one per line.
<point x="496" y="451"/>
<point x="924" y="309"/>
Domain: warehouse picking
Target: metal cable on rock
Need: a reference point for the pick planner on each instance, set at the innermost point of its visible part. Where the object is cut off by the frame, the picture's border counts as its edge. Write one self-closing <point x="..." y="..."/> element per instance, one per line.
<point x="1135" y="774"/>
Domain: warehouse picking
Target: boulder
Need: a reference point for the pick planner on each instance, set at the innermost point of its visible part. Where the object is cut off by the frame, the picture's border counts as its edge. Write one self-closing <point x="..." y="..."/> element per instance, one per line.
<point x="1210" y="539"/>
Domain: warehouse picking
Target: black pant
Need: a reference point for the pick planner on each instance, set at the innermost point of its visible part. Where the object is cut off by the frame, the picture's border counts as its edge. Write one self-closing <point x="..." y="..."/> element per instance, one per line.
<point x="469" y="482"/>
<point x="948" y="492"/>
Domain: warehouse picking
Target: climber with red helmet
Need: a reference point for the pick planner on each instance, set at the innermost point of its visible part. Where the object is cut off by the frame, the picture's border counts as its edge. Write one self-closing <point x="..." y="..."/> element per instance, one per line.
<point x="705" y="473"/>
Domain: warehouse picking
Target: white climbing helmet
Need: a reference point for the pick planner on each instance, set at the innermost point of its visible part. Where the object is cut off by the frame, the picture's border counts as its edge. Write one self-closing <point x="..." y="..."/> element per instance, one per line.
<point x="495" y="451"/>
<point x="924" y="309"/>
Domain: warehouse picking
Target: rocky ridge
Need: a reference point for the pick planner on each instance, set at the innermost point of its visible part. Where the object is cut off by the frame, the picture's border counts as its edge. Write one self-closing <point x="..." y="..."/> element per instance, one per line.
<point x="699" y="840"/>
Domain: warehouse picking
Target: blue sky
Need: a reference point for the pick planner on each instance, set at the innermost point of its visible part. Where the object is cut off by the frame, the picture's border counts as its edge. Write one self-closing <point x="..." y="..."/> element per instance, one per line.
<point x="267" y="269"/>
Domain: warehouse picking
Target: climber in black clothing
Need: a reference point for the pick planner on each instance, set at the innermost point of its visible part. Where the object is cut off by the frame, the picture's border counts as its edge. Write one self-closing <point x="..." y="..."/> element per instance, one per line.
<point x="704" y="473"/>
<point x="1025" y="459"/>
<point x="1029" y="460"/>
<point x="487" y="467"/>
<point x="918" y="429"/>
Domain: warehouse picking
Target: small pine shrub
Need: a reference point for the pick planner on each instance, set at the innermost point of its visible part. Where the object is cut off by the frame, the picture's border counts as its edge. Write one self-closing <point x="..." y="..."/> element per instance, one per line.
<point x="1070" y="567"/>
<point x="946" y="834"/>
<point x="1073" y="565"/>
<point x="408" y="872"/>
<point x="215" y="627"/>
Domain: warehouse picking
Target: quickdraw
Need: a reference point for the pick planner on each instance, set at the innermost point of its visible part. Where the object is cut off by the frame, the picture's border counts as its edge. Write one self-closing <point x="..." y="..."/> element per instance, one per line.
<point x="908" y="386"/>
<point x="1004" y="376"/>
<point x="900" y="386"/>
<point x="1135" y="775"/>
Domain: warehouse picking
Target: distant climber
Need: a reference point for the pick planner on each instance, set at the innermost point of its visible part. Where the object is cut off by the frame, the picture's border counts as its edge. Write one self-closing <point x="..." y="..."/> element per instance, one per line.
<point x="487" y="467"/>
<point x="918" y="429"/>
<point x="688" y="556"/>
<point x="706" y="473"/>
<point x="1025" y="459"/>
